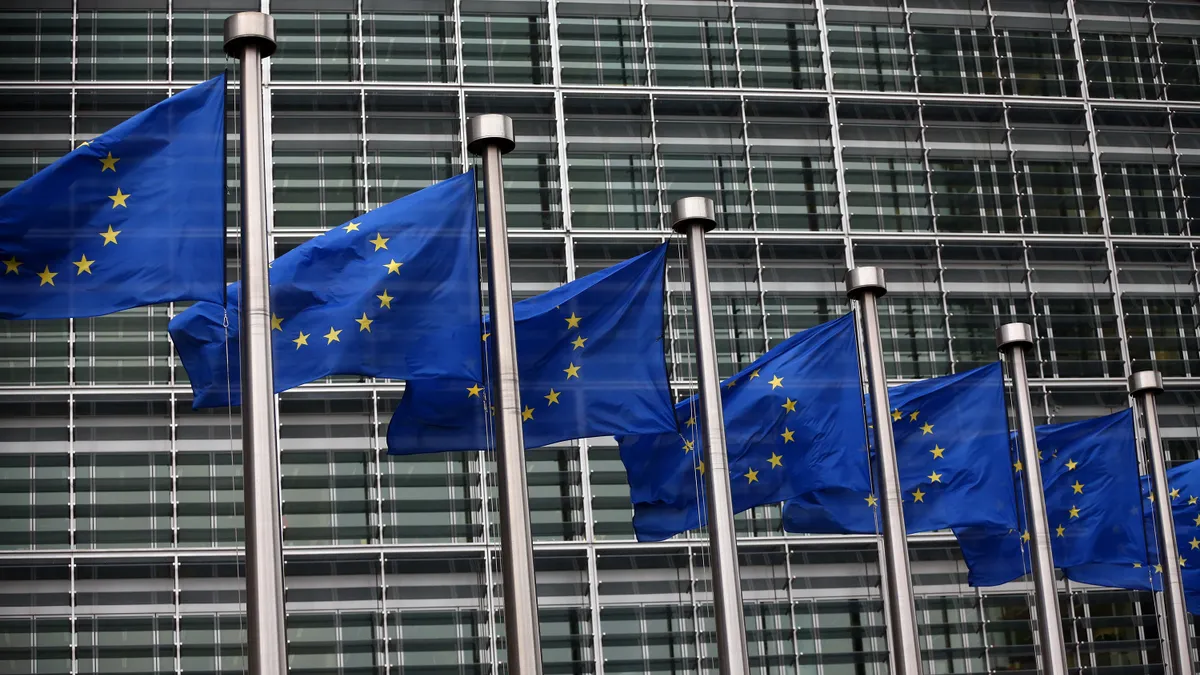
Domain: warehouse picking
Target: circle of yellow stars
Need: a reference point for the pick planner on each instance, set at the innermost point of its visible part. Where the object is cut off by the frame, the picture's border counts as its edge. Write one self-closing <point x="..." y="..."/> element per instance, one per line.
<point x="788" y="435"/>
<point x="918" y="495"/>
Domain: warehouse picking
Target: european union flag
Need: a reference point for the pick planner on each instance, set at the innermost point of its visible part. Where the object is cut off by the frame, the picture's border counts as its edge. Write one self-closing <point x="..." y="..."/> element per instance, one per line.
<point x="1146" y="574"/>
<point x="133" y="217"/>
<point x="793" y="424"/>
<point x="393" y="293"/>
<point x="1090" y="482"/>
<point x="590" y="360"/>
<point x="952" y="449"/>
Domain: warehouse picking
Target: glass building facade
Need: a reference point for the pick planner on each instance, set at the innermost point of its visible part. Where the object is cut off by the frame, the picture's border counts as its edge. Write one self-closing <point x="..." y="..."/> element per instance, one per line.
<point x="1031" y="160"/>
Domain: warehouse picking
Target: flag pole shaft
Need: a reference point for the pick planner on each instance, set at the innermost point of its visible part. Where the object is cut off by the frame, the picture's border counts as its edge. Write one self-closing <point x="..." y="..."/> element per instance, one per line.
<point x="693" y="217"/>
<point x="1012" y="339"/>
<point x="250" y="37"/>
<point x="866" y="284"/>
<point x="491" y="136"/>
<point x="1145" y="386"/>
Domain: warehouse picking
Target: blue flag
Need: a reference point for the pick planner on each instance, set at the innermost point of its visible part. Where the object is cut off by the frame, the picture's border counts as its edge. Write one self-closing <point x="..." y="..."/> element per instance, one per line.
<point x="393" y="293"/>
<point x="590" y="361"/>
<point x="133" y="217"/>
<point x="1146" y="574"/>
<point x="793" y="424"/>
<point x="1090" y="482"/>
<point x="952" y="449"/>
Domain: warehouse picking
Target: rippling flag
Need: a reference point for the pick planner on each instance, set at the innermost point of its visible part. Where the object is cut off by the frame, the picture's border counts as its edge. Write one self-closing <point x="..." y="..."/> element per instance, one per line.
<point x="393" y="293"/>
<point x="133" y="217"/>
<point x="1090" y="483"/>
<point x="952" y="450"/>
<point x="590" y="361"/>
<point x="793" y="424"/>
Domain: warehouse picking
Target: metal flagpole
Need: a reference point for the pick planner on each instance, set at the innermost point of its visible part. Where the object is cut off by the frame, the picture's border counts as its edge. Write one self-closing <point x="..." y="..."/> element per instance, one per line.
<point x="1144" y="386"/>
<point x="1012" y="339"/>
<point x="491" y="136"/>
<point x="250" y="36"/>
<point x="694" y="216"/>
<point x="866" y="284"/>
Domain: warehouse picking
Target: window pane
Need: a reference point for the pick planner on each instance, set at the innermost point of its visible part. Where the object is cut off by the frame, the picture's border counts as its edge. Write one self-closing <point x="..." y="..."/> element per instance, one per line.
<point x="409" y="47"/>
<point x="122" y="46"/>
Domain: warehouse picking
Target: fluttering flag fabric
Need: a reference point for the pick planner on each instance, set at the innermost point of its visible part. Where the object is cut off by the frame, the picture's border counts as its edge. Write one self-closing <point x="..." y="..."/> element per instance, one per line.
<point x="393" y="293"/>
<point x="133" y="217"/>
<point x="590" y="362"/>
<point x="952" y="450"/>
<point x="1090" y="482"/>
<point x="1183" y="483"/>
<point x="793" y="423"/>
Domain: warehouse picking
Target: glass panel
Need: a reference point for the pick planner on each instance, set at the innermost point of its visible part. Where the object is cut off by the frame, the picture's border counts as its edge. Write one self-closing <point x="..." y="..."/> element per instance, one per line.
<point x="409" y="47"/>
<point x="610" y="162"/>
<point x="693" y="52"/>
<point x="703" y="153"/>
<point x="198" y="46"/>
<point x="208" y="483"/>
<point x="122" y="46"/>
<point x="412" y="142"/>
<point x="500" y="49"/>
<point x="317" y="159"/>
<point x="602" y="50"/>
<point x="531" y="172"/>
<point x="1038" y="63"/>
<point x="868" y="57"/>
<point x="791" y="157"/>
<point x="1181" y="67"/>
<point x="780" y="53"/>
<point x="316" y="46"/>
<point x="36" y="46"/>
<point x="956" y="61"/>
<point x="35" y="475"/>
<point x="1119" y="66"/>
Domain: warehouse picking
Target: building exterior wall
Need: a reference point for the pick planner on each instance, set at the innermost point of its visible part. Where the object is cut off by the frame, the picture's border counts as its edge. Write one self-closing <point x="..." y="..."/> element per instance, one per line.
<point x="1028" y="160"/>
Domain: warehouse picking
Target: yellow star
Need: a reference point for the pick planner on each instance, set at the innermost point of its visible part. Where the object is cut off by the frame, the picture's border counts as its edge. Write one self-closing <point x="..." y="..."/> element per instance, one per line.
<point x="1195" y="542"/>
<point x="1025" y="535"/>
<point x="1174" y="493"/>
<point x="119" y="199"/>
<point x="927" y="429"/>
<point x="84" y="144"/>
<point x="276" y="323"/>
<point x="776" y="382"/>
<point x="572" y="371"/>
<point x="918" y="496"/>
<point x="552" y="397"/>
<point x="789" y="405"/>
<point x="302" y="341"/>
<point x="701" y="467"/>
<point x="526" y="414"/>
<point x="691" y="421"/>
<point x="1060" y="529"/>
<point x="1017" y="466"/>
<point x="84" y="265"/>
<point x="108" y="163"/>
<point x="913" y="416"/>
<point x="1151" y="497"/>
<point x="788" y="435"/>
<point x="1191" y="500"/>
<point x="1197" y="520"/>
<point x="486" y="336"/>
<point x="935" y="477"/>
<point x="730" y="383"/>
<point x="474" y="390"/>
<point x="754" y="375"/>
<point x="110" y="237"/>
<point x="351" y="227"/>
<point x="11" y="265"/>
<point x="1077" y="487"/>
<point x="1074" y="511"/>
<point x="578" y="342"/>
<point x="1182" y="561"/>
<point x="688" y="445"/>
<point x="751" y="476"/>
<point x="47" y="277"/>
<point x="1158" y="569"/>
<point x="332" y="336"/>
<point x="380" y="241"/>
<point x="364" y="323"/>
<point x="937" y="452"/>
<point x="385" y="300"/>
<point x="573" y="321"/>
<point x="776" y="461"/>
<point x="871" y="500"/>
<point x="1040" y="455"/>
<point x="896" y="415"/>
<point x="393" y="267"/>
<point x="1071" y="464"/>
<point x="1137" y="565"/>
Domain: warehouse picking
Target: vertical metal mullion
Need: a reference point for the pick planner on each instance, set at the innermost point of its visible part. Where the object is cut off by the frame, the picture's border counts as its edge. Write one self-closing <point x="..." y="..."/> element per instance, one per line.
<point x="72" y="526"/>
<point x="379" y="529"/>
<point x="591" y="556"/>
<point x="176" y="629"/>
<point x="835" y="137"/>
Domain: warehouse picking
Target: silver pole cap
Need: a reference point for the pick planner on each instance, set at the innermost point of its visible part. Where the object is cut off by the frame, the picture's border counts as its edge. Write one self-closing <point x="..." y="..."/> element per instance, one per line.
<point x="246" y="28"/>
<point x="859" y="280"/>
<point x="1014" y="334"/>
<point x="1147" y="381"/>
<point x="693" y="210"/>
<point x="485" y="130"/>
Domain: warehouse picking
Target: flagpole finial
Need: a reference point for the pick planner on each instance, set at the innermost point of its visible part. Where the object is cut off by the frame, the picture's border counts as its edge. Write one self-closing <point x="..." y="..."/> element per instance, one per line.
<point x="491" y="129"/>
<point x="1014" y="334"/>
<point x="1145" y="381"/>
<point x="693" y="210"/>
<point x="859" y="280"/>
<point x="250" y="28"/>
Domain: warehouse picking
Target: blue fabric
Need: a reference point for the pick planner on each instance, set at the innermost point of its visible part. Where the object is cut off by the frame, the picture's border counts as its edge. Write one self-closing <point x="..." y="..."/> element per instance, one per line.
<point x="133" y="217"/>
<point x="393" y="293"/>
<point x="952" y="451"/>
<point x="1090" y="483"/>
<point x="590" y="362"/>
<point x="793" y="424"/>
<point x="1145" y="574"/>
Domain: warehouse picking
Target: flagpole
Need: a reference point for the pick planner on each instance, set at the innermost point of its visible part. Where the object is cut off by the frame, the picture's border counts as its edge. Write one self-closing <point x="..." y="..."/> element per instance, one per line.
<point x="491" y="136"/>
<point x="695" y="216"/>
<point x="1145" y="386"/>
<point x="250" y="36"/>
<point x="866" y="284"/>
<point x="1012" y="339"/>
